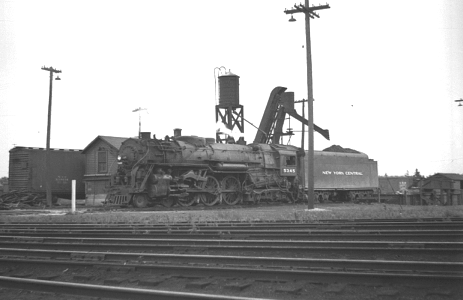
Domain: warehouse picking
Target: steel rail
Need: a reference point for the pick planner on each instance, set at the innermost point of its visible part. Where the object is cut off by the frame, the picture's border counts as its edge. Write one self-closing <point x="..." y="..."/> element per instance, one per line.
<point x="213" y="227"/>
<point x="298" y="237"/>
<point x="212" y="242"/>
<point x="107" y="291"/>
<point x="348" y="251"/>
<point x="178" y="246"/>
<point x="381" y="277"/>
<point x="456" y="236"/>
<point x="241" y="224"/>
<point x="264" y="223"/>
<point x="395" y="220"/>
<point x="214" y="230"/>
<point x="239" y="260"/>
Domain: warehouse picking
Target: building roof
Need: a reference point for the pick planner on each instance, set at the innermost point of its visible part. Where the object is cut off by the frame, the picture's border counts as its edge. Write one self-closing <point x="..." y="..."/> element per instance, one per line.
<point x="22" y="148"/>
<point x="452" y="176"/>
<point x="113" y="141"/>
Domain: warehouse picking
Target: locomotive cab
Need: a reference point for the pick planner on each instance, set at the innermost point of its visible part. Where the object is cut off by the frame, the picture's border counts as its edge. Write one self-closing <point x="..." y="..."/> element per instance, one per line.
<point x="288" y="165"/>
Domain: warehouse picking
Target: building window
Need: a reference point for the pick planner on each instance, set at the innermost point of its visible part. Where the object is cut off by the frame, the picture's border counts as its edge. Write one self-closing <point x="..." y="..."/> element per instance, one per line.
<point x="102" y="157"/>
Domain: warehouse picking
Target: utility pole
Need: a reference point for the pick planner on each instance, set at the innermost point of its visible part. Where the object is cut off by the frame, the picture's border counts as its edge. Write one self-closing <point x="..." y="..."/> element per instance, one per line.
<point x="309" y="13"/>
<point x="303" y="101"/>
<point x="47" y="153"/>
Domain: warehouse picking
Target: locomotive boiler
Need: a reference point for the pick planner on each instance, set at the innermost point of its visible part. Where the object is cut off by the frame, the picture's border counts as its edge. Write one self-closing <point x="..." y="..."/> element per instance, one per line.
<point x="187" y="170"/>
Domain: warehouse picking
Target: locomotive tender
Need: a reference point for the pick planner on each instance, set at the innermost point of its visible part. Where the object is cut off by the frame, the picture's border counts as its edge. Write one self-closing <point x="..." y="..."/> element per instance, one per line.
<point x="341" y="176"/>
<point x="187" y="170"/>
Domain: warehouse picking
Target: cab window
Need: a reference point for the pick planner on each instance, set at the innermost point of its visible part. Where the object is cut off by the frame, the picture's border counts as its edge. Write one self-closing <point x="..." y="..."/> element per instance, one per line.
<point x="291" y="160"/>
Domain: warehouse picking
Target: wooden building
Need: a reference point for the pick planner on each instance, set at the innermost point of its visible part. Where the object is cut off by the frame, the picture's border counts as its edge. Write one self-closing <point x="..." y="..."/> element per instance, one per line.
<point x="100" y="166"/>
<point x="442" y="189"/>
<point x="395" y="184"/>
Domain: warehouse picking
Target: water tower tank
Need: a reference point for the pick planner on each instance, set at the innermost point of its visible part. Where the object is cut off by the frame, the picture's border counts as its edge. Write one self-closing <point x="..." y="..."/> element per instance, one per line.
<point x="229" y="90"/>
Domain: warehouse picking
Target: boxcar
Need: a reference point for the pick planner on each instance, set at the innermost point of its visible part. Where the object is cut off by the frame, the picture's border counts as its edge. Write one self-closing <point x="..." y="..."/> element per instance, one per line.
<point x="27" y="171"/>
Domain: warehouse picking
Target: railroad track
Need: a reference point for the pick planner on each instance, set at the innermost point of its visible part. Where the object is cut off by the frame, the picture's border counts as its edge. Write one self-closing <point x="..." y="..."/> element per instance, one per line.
<point x="262" y="234"/>
<point x="200" y="260"/>
<point x="348" y="249"/>
<point x="433" y="229"/>
<point x="331" y="224"/>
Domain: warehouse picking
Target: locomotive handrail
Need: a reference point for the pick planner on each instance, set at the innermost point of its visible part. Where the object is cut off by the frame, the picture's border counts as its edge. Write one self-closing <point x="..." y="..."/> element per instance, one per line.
<point x="161" y="147"/>
<point x="141" y="158"/>
<point x="164" y="148"/>
<point x="150" y="169"/>
<point x="133" y="174"/>
<point x="172" y="164"/>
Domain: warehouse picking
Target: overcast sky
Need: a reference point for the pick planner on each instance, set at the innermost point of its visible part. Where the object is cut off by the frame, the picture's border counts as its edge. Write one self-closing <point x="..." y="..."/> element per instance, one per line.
<point x="385" y="73"/>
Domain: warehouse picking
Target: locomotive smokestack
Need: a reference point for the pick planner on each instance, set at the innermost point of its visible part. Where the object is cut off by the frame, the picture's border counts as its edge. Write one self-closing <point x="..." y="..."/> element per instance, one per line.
<point x="145" y="135"/>
<point x="177" y="132"/>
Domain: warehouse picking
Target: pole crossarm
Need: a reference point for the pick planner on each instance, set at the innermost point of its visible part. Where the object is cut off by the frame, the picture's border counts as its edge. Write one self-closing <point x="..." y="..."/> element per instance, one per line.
<point x="307" y="10"/>
<point x="50" y="69"/>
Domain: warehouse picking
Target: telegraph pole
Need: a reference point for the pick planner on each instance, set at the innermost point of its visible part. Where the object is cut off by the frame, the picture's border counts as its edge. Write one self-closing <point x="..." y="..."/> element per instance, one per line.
<point x="309" y="14"/>
<point x="303" y="101"/>
<point x="47" y="153"/>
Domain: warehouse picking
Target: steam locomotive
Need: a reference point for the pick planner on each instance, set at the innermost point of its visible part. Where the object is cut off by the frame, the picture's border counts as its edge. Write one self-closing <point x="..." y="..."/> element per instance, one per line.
<point x="187" y="170"/>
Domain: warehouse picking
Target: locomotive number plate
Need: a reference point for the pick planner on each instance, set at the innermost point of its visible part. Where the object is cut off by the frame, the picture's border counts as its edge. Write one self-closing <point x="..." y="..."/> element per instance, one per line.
<point x="288" y="171"/>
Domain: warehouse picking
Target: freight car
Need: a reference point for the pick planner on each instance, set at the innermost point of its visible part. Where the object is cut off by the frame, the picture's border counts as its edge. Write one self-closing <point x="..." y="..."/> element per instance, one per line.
<point x="188" y="170"/>
<point x="27" y="171"/>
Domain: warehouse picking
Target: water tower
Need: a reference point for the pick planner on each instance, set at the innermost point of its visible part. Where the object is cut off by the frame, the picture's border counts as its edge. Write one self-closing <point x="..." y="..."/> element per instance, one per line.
<point x="229" y="109"/>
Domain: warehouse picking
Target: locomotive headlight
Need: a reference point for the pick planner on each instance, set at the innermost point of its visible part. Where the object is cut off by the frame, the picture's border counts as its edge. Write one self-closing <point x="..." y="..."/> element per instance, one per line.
<point x="119" y="158"/>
